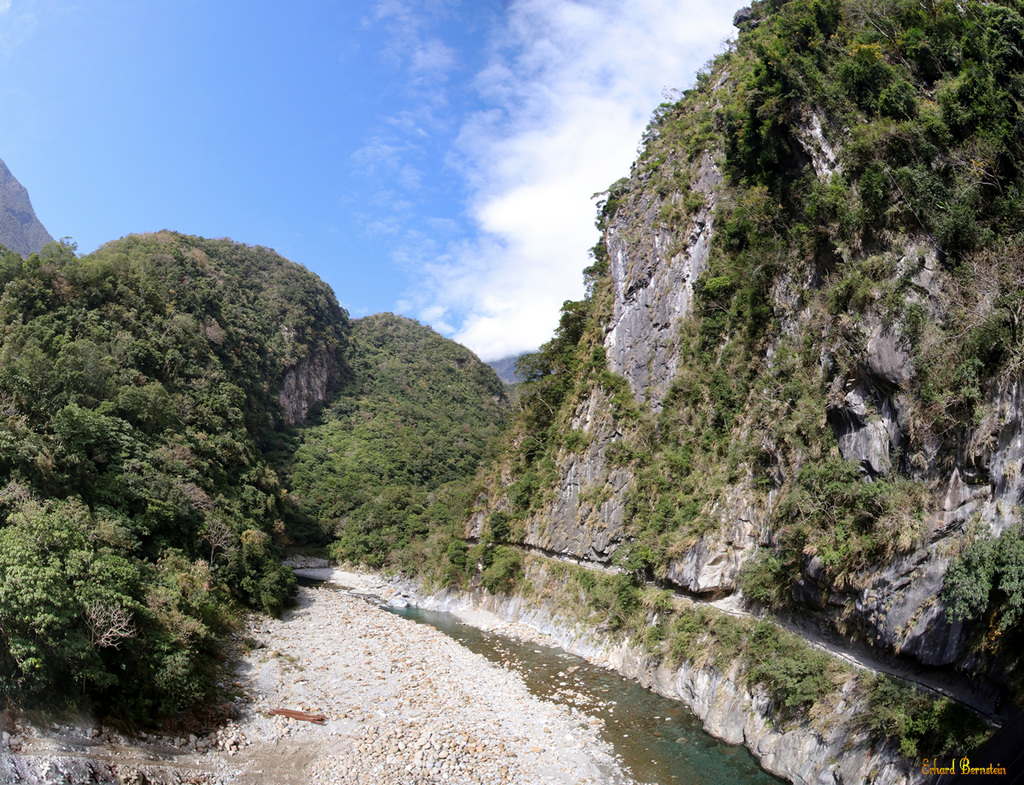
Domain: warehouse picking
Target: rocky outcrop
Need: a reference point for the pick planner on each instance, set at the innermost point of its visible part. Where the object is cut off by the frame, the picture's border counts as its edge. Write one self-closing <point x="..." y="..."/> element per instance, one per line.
<point x="801" y="754"/>
<point x="308" y="384"/>
<point x="900" y="608"/>
<point x="20" y="229"/>
<point x="653" y="273"/>
<point x="712" y="565"/>
<point x="587" y="517"/>
<point x="816" y="335"/>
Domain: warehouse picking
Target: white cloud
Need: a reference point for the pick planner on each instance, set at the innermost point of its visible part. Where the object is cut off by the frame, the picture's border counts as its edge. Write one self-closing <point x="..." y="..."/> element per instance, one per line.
<point x="569" y="91"/>
<point x="433" y="57"/>
<point x="19" y="23"/>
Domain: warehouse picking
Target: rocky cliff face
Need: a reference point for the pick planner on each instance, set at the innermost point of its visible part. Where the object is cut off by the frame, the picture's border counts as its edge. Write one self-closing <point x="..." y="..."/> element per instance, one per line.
<point x="587" y="517"/>
<point x="824" y="365"/>
<point x="308" y="384"/>
<point x="653" y="269"/>
<point x="20" y="230"/>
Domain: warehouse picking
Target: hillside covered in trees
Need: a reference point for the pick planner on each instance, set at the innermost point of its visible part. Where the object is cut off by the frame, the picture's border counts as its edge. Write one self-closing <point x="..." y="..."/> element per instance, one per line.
<point x="137" y="391"/>
<point x="407" y="430"/>
<point x="148" y="391"/>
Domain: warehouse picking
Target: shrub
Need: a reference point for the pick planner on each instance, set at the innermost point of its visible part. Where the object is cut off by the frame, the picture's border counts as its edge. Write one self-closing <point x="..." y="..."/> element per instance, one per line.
<point x="765" y="580"/>
<point x="504" y="571"/>
<point x="500" y="527"/>
<point x="904" y="714"/>
<point x="898" y="100"/>
<point x="795" y="675"/>
<point x="866" y="75"/>
<point x="988" y="579"/>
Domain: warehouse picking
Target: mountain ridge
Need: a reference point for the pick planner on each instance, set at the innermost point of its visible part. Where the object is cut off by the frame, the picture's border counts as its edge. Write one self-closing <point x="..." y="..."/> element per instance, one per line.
<point x="20" y="229"/>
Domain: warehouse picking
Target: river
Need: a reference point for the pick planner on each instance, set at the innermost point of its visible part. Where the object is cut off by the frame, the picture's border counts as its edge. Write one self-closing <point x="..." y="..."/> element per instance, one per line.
<point x="658" y="739"/>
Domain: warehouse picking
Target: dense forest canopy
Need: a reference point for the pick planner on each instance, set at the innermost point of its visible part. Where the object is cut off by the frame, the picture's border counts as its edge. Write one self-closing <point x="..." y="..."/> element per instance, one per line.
<point x="417" y="415"/>
<point x="138" y="388"/>
<point x="144" y="443"/>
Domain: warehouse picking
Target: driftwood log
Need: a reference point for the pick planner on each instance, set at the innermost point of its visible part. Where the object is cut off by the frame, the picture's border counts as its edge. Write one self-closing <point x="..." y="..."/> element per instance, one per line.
<point x="305" y="716"/>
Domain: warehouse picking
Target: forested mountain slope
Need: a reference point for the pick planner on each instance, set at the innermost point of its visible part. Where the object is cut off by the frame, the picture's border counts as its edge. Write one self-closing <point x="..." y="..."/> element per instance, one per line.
<point x="149" y="392"/>
<point x="416" y="415"/>
<point x="796" y="376"/>
<point x="139" y="386"/>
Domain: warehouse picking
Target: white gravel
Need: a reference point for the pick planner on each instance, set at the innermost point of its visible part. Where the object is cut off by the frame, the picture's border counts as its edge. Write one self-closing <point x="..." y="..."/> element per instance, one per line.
<point x="404" y="704"/>
<point x="408" y="704"/>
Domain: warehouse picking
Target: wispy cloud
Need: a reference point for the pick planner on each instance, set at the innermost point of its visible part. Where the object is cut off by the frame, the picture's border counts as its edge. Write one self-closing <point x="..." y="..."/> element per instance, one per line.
<point x="411" y="44"/>
<point x="376" y="155"/>
<point x="17" y="23"/>
<point x="433" y="58"/>
<point x="395" y="159"/>
<point x="568" y="92"/>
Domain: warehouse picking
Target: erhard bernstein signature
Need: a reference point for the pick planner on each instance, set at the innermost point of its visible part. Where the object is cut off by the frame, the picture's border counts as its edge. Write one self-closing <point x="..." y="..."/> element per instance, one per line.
<point x="962" y="766"/>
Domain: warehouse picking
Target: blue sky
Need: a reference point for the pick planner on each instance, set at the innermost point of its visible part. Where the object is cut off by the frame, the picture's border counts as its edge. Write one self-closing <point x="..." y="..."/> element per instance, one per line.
<point x="431" y="157"/>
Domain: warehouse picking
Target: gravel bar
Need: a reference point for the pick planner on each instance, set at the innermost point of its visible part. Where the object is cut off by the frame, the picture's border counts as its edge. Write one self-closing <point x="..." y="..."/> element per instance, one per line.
<point x="403" y="702"/>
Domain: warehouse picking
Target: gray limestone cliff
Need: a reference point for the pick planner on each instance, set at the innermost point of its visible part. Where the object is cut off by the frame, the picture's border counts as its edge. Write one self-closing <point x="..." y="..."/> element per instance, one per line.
<point x="828" y="417"/>
<point x="653" y="270"/>
<point x="871" y="402"/>
<point x="308" y="384"/>
<point x="587" y="516"/>
<point x="20" y="229"/>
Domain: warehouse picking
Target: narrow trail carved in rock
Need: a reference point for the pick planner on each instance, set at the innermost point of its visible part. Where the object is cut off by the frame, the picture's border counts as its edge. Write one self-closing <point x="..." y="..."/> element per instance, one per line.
<point x="982" y="699"/>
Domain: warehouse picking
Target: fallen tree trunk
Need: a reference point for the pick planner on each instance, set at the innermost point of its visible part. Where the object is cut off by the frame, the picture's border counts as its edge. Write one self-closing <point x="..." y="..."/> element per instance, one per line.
<point x="305" y="716"/>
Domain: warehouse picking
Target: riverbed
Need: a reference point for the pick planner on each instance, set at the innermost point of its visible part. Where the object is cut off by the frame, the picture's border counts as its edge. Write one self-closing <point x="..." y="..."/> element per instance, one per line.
<point x="396" y="702"/>
<point x="405" y="696"/>
<point x="657" y="739"/>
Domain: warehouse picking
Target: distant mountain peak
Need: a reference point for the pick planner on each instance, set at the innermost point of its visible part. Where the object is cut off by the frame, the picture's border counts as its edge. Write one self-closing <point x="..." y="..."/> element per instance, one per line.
<point x="506" y="368"/>
<point x="20" y="229"/>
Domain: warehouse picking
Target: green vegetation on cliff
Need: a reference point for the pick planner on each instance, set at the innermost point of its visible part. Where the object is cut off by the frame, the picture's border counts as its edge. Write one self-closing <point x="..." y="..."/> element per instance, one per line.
<point x="138" y="387"/>
<point x="803" y="683"/>
<point x="843" y="355"/>
<point x="819" y="246"/>
<point x="416" y="416"/>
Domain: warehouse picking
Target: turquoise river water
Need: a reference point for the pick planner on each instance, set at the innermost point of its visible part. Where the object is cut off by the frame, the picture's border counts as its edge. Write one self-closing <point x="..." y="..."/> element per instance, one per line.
<point x="658" y="739"/>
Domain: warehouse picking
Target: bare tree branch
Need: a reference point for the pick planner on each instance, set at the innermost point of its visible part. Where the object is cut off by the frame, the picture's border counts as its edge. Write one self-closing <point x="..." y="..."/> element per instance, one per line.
<point x="219" y="535"/>
<point x="108" y="623"/>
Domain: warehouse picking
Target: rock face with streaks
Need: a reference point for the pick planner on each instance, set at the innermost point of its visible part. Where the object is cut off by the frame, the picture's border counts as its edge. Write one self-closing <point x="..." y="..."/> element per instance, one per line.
<point x="658" y="241"/>
<point x="308" y="384"/>
<point x="20" y="230"/>
<point x="587" y="517"/>
<point x="653" y="270"/>
<point x="824" y="376"/>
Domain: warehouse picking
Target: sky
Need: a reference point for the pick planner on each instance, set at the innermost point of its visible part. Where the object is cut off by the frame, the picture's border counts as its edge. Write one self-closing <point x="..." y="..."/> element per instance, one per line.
<point x="435" y="158"/>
